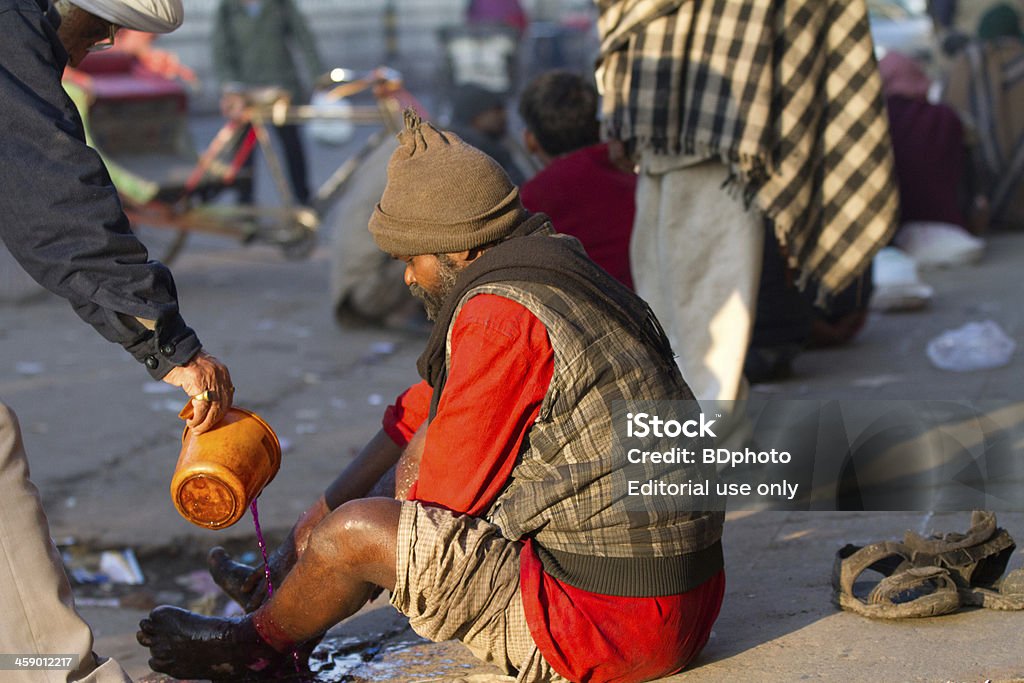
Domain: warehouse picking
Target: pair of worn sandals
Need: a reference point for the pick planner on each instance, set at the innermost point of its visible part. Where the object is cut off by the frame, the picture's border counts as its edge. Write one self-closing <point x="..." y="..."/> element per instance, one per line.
<point x="926" y="577"/>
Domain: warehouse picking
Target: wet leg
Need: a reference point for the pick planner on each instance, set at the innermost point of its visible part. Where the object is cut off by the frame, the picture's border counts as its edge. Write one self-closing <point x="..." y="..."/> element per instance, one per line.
<point x="349" y="554"/>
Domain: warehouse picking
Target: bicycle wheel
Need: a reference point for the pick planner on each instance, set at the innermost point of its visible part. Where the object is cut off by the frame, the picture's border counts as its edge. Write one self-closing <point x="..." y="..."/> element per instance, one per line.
<point x="163" y="243"/>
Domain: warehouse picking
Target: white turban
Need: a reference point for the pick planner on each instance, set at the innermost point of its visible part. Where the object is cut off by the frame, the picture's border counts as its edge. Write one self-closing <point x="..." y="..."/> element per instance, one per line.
<point x="151" y="16"/>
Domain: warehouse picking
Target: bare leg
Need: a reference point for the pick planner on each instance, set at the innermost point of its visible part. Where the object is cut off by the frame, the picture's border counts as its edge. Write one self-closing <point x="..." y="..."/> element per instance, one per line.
<point x="370" y="474"/>
<point x="349" y="553"/>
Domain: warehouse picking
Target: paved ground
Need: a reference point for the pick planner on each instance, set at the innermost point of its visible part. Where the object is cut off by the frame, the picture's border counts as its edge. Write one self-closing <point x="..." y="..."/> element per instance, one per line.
<point x="103" y="441"/>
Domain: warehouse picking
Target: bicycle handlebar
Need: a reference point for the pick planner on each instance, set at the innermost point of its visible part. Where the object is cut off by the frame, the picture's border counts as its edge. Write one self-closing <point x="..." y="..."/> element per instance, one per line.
<point x="274" y="104"/>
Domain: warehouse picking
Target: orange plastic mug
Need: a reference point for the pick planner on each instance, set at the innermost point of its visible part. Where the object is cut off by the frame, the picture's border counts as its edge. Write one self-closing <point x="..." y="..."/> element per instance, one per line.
<point x="221" y="471"/>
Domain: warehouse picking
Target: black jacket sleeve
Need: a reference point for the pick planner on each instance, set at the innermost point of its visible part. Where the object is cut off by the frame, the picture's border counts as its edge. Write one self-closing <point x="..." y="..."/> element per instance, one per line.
<point x="59" y="212"/>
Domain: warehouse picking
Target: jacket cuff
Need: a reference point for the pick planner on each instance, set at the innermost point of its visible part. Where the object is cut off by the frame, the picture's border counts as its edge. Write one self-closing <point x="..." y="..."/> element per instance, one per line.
<point x="172" y="344"/>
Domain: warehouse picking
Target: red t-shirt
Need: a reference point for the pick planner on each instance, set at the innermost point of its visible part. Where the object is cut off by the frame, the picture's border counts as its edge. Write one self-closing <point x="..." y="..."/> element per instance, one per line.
<point x="500" y="369"/>
<point x="591" y="199"/>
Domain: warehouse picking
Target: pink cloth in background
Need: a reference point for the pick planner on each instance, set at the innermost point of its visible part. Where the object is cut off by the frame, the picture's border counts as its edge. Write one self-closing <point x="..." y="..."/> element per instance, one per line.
<point x="506" y="12"/>
<point x="902" y="75"/>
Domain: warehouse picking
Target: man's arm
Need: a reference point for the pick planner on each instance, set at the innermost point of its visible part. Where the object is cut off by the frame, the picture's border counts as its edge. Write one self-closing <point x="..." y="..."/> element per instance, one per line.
<point x="224" y="49"/>
<point x="357" y="480"/>
<point x="500" y="370"/>
<point x="63" y="220"/>
<point x="304" y="39"/>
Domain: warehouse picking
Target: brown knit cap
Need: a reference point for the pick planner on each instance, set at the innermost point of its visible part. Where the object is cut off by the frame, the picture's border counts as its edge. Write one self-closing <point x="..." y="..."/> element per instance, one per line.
<point x="442" y="196"/>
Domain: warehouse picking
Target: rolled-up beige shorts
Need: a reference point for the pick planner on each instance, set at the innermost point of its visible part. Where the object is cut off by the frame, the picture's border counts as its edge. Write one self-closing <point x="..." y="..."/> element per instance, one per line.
<point x="457" y="578"/>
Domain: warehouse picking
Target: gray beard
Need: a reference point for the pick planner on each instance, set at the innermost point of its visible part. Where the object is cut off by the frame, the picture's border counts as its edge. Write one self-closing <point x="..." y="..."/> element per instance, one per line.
<point x="433" y="301"/>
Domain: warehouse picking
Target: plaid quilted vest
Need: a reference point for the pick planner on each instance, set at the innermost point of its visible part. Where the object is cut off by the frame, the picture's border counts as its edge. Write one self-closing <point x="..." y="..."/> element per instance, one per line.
<point x="568" y="490"/>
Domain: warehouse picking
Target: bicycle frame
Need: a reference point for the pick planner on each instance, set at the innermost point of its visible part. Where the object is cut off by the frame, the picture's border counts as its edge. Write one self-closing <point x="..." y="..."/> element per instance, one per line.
<point x="291" y="226"/>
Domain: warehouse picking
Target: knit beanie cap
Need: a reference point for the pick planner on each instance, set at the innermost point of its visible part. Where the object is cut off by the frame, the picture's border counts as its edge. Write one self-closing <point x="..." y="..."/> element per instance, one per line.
<point x="999" y="22"/>
<point x="442" y="196"/>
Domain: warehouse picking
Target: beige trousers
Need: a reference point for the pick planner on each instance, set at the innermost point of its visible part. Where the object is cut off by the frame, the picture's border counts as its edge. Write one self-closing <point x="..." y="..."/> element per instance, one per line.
<point x="696" y="259"/>
<point x="37" y="609"/>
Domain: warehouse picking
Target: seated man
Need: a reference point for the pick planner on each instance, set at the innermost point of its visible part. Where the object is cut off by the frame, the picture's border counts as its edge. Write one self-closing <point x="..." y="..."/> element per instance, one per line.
<point x="366" y="284"/>
<point x="584" y="192"/>
<point x="516" y="534"/>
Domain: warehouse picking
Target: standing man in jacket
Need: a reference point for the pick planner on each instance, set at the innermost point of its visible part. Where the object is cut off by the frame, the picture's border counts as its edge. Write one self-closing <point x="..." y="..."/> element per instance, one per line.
<point x="253" y="42"/>
<point x="63" y="222"/>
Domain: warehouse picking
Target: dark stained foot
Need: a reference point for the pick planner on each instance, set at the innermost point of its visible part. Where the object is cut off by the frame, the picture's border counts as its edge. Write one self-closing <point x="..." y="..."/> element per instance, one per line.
<point x="188" y="645"/>
<point x="238" y="580"/>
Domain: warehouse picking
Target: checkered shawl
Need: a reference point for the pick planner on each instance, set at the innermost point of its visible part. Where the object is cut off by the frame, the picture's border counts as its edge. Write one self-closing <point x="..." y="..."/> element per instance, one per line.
<point x="787" y="92"/>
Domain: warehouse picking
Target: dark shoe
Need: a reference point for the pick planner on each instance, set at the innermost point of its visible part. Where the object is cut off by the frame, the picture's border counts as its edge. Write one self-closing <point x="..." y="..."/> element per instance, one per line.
<point x="770" y="363"/>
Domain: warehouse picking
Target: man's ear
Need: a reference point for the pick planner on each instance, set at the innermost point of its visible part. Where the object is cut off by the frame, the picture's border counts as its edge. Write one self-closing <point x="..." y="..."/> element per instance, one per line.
<point x="532" y="146"/>
<point x="465" y="257"/>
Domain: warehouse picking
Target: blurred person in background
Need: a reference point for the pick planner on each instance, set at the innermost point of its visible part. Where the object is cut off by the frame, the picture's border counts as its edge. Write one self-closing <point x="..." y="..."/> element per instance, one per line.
<point x="480" y="117"/>
<point x="937" y="197"/>
<point x="579" y="187"/>
<point x="693" y="91"/>
<point x="986" y="87"/>
<point x="252" y="44"/>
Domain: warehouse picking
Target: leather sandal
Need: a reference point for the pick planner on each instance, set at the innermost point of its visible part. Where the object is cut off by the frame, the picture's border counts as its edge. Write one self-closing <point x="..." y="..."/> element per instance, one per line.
<point x="1007" y="594"/>
<point x="975" y="560"/>
<point x="905" y="591"/>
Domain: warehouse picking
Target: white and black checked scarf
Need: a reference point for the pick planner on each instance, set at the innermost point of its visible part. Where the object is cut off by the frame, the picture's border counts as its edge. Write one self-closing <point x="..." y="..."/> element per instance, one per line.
<point x="786" y="91"/>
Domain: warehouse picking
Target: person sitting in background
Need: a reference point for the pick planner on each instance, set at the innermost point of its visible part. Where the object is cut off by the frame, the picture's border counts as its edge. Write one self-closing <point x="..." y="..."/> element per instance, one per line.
<point x="986" y="87"/>
<point x="928" y="144"/>
<point x="480" y="118"/>
<point x="584" y="193"/>
<point x="366" y="284"/>
<point x="936" y="200"/>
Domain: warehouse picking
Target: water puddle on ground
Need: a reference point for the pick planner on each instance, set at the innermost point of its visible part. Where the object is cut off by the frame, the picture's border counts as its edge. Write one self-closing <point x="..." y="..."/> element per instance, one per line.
<point x="335" y="659"/>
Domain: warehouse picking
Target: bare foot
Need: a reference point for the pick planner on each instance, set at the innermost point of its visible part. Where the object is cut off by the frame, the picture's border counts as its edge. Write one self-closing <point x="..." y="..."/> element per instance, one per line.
<point x="239" y="581"/>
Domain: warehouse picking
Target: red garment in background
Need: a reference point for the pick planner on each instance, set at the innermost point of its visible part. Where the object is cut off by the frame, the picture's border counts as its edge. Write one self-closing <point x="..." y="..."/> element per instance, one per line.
<point x="931" y="160"/>
<point x="501" y="366"/>
<point x="592" y="200"/>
